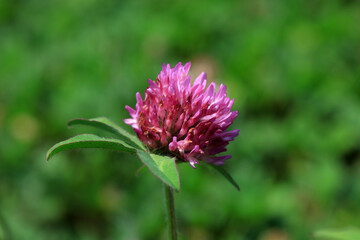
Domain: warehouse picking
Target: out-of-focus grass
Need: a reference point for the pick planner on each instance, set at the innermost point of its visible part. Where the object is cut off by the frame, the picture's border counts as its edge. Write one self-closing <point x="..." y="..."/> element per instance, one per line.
<point x="292" y="66"/>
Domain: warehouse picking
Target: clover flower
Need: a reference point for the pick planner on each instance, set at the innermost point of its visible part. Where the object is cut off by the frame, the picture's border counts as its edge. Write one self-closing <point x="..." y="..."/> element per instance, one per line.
<point x="184" y="120"/>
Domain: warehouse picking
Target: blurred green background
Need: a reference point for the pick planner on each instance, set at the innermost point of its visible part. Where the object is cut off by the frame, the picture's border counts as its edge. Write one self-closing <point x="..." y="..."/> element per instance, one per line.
<point x="292" y="66"/>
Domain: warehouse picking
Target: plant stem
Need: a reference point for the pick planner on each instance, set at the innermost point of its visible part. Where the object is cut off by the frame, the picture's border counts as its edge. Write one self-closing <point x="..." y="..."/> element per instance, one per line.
<point x="170" y="212"/>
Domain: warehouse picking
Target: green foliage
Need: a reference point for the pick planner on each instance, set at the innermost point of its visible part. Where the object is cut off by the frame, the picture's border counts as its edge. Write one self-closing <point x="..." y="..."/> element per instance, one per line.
<point x="163" y="167"/>
<point x="226" y="175"/>
<point x="107" y="125"/>
<point x="89" y="141"/>
<point x="344" y="234"/>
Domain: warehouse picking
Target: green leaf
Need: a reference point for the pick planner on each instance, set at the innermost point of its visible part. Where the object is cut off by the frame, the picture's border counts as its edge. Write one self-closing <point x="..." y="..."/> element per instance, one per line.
<point x="107" y="125"/>
<point x="227" y="175"/>
<point x="161" y="166"/>
<point x="341" y="234"/>
<point x="89" y="141"/>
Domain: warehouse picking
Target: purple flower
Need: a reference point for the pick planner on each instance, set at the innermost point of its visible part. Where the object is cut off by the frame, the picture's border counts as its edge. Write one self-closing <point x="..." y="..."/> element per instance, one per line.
<point x="184" y="120"/>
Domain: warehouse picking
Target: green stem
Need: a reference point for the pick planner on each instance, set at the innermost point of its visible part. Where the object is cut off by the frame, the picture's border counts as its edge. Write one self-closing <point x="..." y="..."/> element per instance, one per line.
<point x="170" y="212"/>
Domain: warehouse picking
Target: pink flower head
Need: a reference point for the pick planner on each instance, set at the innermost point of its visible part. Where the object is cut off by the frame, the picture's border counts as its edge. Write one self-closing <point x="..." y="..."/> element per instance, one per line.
<point x="184" y="120"/>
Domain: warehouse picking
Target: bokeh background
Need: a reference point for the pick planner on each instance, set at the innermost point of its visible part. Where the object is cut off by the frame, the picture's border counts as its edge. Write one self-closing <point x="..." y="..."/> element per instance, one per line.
<point x="292" y="66"/>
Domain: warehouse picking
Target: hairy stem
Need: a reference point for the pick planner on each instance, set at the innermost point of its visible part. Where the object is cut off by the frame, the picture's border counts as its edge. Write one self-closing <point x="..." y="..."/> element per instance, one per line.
<point x="170" y="212"/>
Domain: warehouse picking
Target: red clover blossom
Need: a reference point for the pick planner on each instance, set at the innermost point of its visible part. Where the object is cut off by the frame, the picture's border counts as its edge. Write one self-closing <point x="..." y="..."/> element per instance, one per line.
<point x="185" y="121"/>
